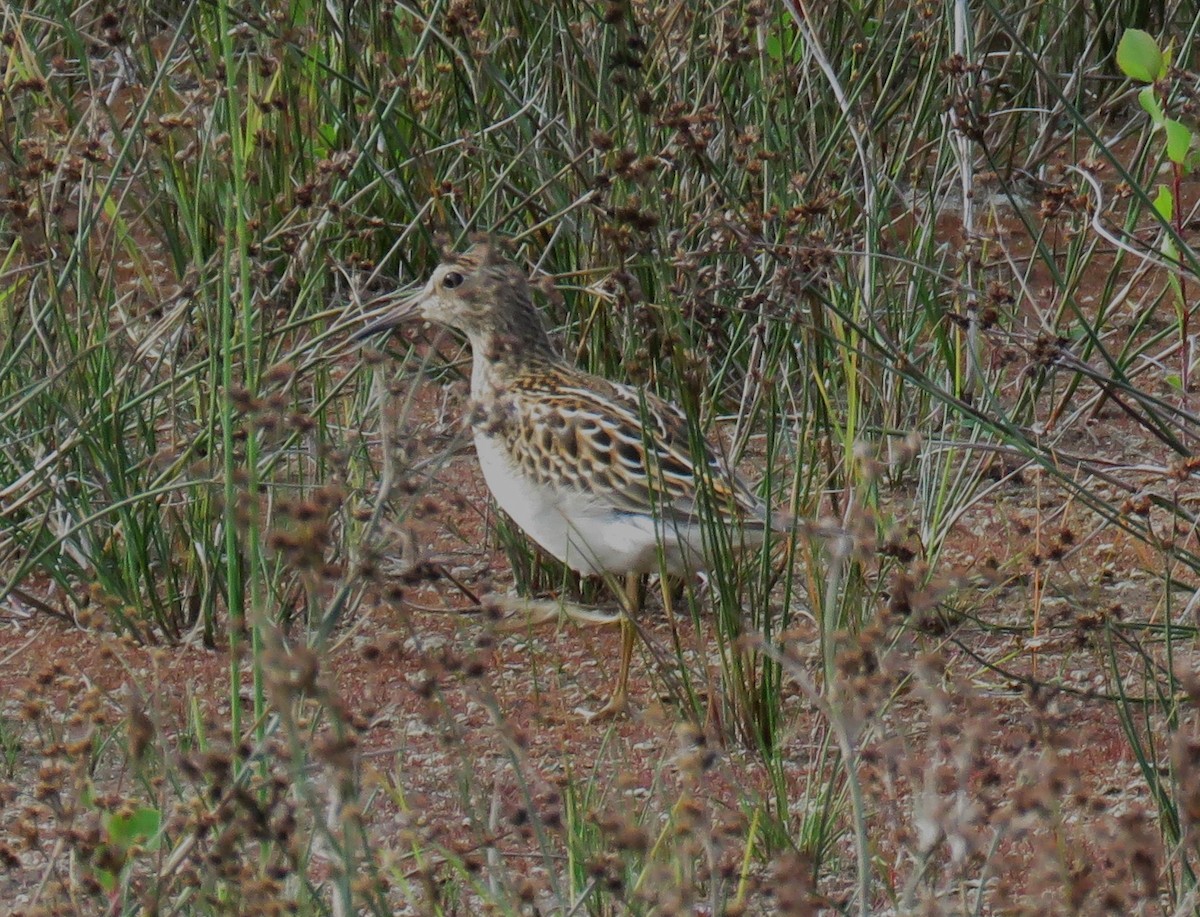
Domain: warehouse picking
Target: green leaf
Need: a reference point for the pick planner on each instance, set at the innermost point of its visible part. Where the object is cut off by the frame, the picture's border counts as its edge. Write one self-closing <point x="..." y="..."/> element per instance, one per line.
<point x="1179" y="138"/>
<point x="1170" y="251"/>
<point x="138" y="826"/>
<point x="326" y="139"/>
<point x="782" y="40"/>
<point x="1174" y="381"/>
<point x="1149" y="102"/>
<point x="1164" y="203"/>
<point x="1138" y="56"/>
<point x="145" y="823"/>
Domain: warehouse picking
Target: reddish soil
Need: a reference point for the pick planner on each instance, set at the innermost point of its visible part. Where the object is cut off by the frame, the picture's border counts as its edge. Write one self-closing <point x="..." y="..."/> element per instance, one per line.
<point x="469" y="728"/>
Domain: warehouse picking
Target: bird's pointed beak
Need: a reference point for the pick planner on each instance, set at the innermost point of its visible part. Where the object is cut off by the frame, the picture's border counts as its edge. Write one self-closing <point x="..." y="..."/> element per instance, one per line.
<point x="383" y="313"/>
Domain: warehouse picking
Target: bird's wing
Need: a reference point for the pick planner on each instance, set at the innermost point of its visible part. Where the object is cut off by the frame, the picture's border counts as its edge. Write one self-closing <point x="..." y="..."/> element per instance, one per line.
<point x="621" y="445"/>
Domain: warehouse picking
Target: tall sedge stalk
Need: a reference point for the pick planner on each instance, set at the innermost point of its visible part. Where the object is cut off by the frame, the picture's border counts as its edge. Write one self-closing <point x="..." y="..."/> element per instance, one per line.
<point x="894" y="257"/>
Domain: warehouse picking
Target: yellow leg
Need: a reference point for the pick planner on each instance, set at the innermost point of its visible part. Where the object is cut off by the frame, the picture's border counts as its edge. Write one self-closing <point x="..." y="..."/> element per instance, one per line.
<point x="618" y="702"/>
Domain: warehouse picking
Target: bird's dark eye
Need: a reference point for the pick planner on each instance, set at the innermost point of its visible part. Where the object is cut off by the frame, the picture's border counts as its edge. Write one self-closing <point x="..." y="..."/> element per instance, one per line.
<point x="451" y="280"/>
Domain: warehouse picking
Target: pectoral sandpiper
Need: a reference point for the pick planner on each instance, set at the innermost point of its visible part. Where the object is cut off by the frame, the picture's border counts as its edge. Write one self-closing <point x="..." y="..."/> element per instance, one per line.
<point x="601" y="475"/>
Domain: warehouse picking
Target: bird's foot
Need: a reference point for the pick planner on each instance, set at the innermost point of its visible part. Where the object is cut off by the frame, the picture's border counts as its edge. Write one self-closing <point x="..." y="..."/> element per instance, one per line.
<point x="617" y="706"/>
<point x="516" y="613"/>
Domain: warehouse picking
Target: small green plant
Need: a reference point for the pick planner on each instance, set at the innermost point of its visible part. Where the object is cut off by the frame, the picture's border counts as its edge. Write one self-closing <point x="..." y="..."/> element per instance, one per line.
<point x="1141" y="59"/>
<point x="127" y="832"/>
<point x="11" y="745"/>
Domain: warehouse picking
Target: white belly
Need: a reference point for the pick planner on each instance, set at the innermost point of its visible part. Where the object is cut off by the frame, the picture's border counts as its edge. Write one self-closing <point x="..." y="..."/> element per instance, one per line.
<point x="587" y="535"/>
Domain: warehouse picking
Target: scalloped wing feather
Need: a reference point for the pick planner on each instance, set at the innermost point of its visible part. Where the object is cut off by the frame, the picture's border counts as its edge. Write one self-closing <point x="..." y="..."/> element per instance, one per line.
<point x="592" y="433"/>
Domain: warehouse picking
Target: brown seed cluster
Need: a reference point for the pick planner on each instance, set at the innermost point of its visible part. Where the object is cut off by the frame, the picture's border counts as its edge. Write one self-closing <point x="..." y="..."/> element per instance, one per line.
<point x="714" y="234"/>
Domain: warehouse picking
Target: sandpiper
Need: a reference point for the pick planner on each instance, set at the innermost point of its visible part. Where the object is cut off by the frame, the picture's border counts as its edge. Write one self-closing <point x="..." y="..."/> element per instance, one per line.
<point x="600" y="474"/>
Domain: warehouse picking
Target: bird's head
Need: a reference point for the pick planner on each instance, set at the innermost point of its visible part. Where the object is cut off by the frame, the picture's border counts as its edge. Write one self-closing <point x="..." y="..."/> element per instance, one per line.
<point x="478" y="292"/>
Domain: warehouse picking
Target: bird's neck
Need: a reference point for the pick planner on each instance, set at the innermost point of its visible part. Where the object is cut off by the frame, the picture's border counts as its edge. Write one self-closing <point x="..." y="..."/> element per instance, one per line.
<point x="499" y="356"/>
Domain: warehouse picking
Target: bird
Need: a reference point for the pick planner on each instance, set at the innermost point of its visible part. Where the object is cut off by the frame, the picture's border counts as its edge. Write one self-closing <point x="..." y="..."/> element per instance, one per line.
<point x="602" y="475"/>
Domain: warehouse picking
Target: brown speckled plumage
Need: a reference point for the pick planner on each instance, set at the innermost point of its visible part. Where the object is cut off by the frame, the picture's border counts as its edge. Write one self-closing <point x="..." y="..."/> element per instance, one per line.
<point x="601" y="475"/>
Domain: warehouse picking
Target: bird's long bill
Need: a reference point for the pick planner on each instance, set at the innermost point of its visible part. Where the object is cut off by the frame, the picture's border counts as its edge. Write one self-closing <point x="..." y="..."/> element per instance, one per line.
<point x="387" y="311"/>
